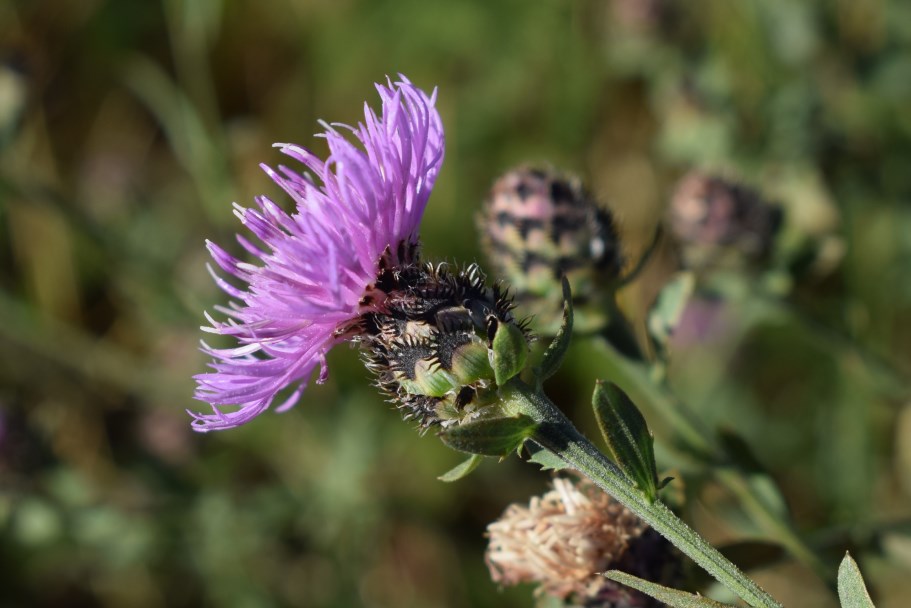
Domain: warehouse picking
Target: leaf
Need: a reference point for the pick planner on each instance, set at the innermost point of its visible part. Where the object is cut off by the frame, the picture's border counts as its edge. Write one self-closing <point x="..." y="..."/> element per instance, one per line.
<point x="627" y="436"/>
<point x="553" y="356"/>
<point x="462" y="470"/>
<point x="672" y="597"/>
<point x="668" y="309"/>
<point x="851" y="589"/>
<point x="490" y="437"/>
<point x="544" y="457"/>
<point x="763" y="487"/>
<point x="510" y="352"/>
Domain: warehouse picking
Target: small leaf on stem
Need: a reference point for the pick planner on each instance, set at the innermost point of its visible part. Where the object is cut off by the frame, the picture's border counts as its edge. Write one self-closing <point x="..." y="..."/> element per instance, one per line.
<point x="544" y="457"/>
<point x="490" y="437"/>
<point x="672" y="597"/>
<point x="627" y="436"/>
<point x="462" y="470"/>
<point x="553" y="356"/>
<point x="851" y="589"/>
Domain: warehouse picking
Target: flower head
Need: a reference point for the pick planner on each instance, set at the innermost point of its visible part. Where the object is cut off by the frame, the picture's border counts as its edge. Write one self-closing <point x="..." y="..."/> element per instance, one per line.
<point x="718" y="222"/>
<point x="359" y="210"/>
<point x="539" y="225"/>
<point x="566" y="538"/>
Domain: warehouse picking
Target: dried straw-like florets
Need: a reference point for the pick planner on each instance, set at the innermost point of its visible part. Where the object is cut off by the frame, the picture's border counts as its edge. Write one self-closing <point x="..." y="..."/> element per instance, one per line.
<point x="566" y="538"/>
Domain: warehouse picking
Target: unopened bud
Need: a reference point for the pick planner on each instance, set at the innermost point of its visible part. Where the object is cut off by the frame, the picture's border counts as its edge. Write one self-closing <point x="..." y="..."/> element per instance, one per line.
<point x="539" y="225"/>
<point x="718" y="222"/>
<point x="430" y="342"/>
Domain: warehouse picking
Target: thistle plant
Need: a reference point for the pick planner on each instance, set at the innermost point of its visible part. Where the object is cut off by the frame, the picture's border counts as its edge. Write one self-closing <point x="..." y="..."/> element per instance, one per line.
<point x="443" y="345"/>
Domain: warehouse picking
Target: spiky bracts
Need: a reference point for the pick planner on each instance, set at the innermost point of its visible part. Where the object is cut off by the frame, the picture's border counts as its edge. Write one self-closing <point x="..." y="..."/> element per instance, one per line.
<point x="429" y="346"/>
<point x="539" y="225"/>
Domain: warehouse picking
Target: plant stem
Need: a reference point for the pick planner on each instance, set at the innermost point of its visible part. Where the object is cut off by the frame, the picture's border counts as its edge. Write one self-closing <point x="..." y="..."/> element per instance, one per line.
<point x="556" y="434"/>
<point x="633" y="377"/>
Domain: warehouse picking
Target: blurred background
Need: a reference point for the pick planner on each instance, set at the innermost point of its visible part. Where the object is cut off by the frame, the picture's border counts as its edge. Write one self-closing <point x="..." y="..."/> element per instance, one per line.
<point x="127" y="129"/>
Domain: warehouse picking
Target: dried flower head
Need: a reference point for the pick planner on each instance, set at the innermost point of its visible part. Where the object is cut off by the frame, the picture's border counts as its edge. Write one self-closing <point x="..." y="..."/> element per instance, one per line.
<point x="566" y="538"/>
<point x="717" y="221"/>
<point x="318" y="266"/>
<point x="539" y="225"/>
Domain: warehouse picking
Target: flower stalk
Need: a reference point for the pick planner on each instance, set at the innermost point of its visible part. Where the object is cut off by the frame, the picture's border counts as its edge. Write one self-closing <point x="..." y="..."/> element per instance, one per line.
<point x="556" y="434"/>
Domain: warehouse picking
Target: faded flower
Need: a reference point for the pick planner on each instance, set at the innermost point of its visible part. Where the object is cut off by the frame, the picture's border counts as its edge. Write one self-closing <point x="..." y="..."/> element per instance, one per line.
<point x="566" y="538"/>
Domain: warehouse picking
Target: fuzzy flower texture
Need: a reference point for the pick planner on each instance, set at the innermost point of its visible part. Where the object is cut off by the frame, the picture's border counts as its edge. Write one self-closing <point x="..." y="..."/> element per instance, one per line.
<point x="355" y="213"/>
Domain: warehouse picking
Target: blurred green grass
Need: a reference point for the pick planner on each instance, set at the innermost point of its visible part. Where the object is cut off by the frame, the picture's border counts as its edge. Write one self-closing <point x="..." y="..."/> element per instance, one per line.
<point x="128" y="128"/>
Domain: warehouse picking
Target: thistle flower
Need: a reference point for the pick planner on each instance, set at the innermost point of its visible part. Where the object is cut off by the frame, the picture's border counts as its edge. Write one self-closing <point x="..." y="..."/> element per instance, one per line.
<point x="318" y="266"/>
<point x="539" y="225"/>
<point x="716" y="221"/>
<point x="566" y="538"/>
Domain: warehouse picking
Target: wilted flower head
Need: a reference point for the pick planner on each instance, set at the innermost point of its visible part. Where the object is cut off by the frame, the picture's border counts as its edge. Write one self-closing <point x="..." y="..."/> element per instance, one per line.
<point x="717" y="221"/>
<point x="566" y="538"/>
<point x="318" y="265"/>
<point x="539" y="225"/>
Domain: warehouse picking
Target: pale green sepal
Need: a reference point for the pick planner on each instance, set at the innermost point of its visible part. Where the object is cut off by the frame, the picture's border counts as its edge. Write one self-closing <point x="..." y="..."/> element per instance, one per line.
<point x="491" y="436"/>
<point x="627" y="435"/>
<point x="553" y="356"/>
<point x="851" y="589"/>
<point x="672" y="597"/>
<point x="462" y="470"/>
<point x="510" y="352"/>
<point x="543" y="457"/>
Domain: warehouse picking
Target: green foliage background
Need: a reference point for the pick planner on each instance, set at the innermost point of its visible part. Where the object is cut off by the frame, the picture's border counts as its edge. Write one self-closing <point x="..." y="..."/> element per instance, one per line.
<point x="126" y="130"/>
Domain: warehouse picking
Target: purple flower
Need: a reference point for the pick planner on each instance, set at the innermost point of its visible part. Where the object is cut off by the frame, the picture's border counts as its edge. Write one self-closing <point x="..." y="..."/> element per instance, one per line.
<point x="316" y="264"/>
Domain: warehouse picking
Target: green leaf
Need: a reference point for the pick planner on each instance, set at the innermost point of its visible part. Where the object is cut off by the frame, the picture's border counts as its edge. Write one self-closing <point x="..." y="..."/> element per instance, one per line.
<point x="510" y="352"/>
<point x="665" y="314"/>
<point x="851" y="589"/>
<point x="672" y="597"/>
<point x="462" y="470"/>
<point x="762" y="486"/>
<point x="544" y="457"/>
<point x="490" y="437"/>
<point x="630" y="442"/>
<point x="553" y="356"/>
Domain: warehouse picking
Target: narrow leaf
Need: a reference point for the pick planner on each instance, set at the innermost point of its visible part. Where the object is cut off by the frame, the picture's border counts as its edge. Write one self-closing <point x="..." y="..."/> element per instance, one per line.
<point x="851" y="589"/>
<point x="672" y="597"/>
<point x="553" y="356"/>
<point x="510" y="352"/>
<point x="630" y="442"/>
<point x="462" y="470"/>
<point x="490" y="437"/>
<point x="544" y="457"/>
<point x="668" y="309"/>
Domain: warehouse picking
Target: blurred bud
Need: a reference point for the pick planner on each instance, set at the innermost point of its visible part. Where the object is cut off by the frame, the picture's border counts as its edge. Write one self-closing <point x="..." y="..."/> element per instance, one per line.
<point x="539" y="225"/>
<point x="719" y="223"/>
<point x="640" y="15"/>
<point x="566" y="538"/>
<point x="431" y="344"/>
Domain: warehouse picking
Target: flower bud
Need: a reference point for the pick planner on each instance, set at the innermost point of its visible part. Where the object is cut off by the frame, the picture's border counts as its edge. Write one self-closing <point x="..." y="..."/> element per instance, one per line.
<point x="430" y="341"/>
<point x="566" y="538"/>
<point x="539" y="225"/>
<point x="720" y="223"/>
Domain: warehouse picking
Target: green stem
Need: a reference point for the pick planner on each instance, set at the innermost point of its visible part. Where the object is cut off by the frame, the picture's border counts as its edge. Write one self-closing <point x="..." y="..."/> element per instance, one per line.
<point x="556" y="434"/>
<point x="633" y="377"/>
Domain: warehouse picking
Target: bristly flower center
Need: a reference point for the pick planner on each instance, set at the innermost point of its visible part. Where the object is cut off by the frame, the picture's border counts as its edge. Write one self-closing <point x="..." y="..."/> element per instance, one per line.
<point x="426" y="332"/>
